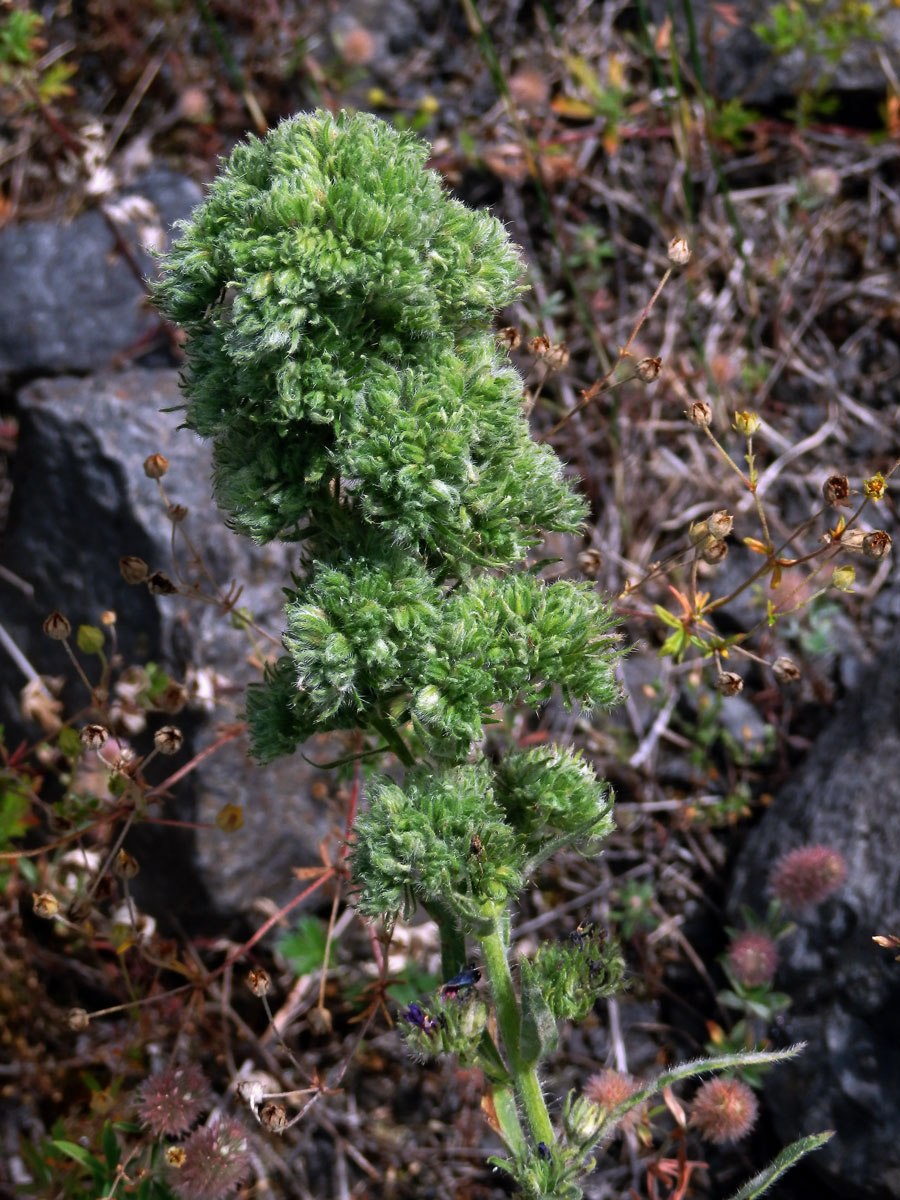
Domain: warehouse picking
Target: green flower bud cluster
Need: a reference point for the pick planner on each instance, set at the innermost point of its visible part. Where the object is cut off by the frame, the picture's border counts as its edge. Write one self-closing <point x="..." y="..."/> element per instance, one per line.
<point x="572" y="976"/>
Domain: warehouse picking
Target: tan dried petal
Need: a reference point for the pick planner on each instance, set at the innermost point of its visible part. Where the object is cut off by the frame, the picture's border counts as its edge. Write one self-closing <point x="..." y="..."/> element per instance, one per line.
<point x="877" y="544"/>
<point x="679" y="252"/>
<point x="258" y="981"/>
<point x="699" y="414"/>
<point x="168" y="740"/>
<point x="539" y="345"/>
<point x="729" y="683"/>
<point x="648" y="369"/>
<point x="509" y="337"/>
<point x="77" y="1019"/>
<point x="94" y="736"/>
<point x="720" y="524"/>
<point x="45" y="905"/>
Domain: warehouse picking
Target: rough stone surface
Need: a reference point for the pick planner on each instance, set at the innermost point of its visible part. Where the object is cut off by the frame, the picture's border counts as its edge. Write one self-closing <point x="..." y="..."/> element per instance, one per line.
<point x="70" y="300"/>
<point x="845" y="989"/>
<point x="738" y="64"/>
<point x="81" y="501"/>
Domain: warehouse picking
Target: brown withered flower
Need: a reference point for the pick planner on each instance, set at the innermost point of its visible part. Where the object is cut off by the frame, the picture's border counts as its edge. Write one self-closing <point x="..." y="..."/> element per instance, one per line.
<point x="729" y="683"/>
<point x="509" y="337"/>
<point x="649" y="369"/>
<point x="699" y="414"/>
<point x="155" y="466"/>
<point x="877" y="544"/>
<point x="159" y="584"/>
<point x="836" y="490"/>
<point x="785" y="669"/>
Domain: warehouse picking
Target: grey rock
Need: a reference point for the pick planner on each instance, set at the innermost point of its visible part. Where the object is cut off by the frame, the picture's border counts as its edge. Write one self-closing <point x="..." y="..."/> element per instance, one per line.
<point x="845" y="990"/>
<point x="70" y="300"/>
<point x="738" y="64"/>
<point x="82" y="501"/>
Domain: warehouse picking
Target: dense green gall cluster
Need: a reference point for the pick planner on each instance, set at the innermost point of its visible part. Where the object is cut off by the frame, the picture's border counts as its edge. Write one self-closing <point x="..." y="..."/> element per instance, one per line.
<point x="337" y="303"/>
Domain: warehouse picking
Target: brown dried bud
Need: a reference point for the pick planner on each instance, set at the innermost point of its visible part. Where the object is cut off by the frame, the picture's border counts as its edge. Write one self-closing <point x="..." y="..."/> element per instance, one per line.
<point x="273" y="1116"/>
<point x="168" y="740"/>
<point x="258" y="981"/>
<point x="77" y="1019"/>
<point x="509" y="337"/>
<point x="45" y="905"/>
<point x="177" y="513"/>
<point x="699" y="414"/>
<point x="648" y="369"/>
<point x="160" y="584"/>
<point x="133" y="569"/>
<point x="155" y="466"/>
<point x="836" y="490"/>
<point x="714" y="551"/>
<point x="729" y="683"/>
<point x="591" y="562"/>
<point x="877" y="544"/>
<point x="679" y="252"/>
<point x="172" y="698"/>
<point x="94" y="736"/>
<point x="57" y="626"/>
<point x="320" y="1021"/>
<point x="539" y="345"/>
<point x="557" y="357"/>
<point x="720" y="523"/>
<point x="127" y="866"/>
<point x="785" y="669"/>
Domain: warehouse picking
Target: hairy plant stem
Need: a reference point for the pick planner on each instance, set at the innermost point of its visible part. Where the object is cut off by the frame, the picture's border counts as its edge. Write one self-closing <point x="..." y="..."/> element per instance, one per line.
<point x="506" y="1007"/>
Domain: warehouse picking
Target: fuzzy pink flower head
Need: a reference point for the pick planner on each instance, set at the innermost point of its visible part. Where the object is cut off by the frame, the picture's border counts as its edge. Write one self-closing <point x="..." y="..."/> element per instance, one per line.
<point x="172" y="1100"/>
<point x="752" y="958"/>
<point x="216" y="1162"/>
<point x="724" y="1110"/>
<point x="610" y="1088"/>
<point x="807" y="875"/>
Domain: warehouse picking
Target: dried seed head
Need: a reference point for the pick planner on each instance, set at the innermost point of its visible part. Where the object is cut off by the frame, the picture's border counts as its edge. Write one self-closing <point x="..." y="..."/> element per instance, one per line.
<point x="509" y="337"/>
<point x="852" y="540"/>
<point x="46" y="905"/>
<point x="258" y="981"/>
<point x="57" y="626"/>
<point x="557" y="357"/>
<point x="127" y="866"/>
<point x="591" y="562"/>
<point x="94" y="736"/>
<point x="714" y="551"/>
<point x="724" y="1110"/>
<point x="159" y="584"/>
<point x="679" y="252"/>
<point x="77" y="1019"/>
<point x="807" y="875"/>
<point x="877" y="544"/>
<point x="133" y="569"/>
<point x="648" y="369"/>
<point x="752" y="958"/>
<point x="746" y="423"/>
<point x="273" y="1116"/>
<point x="177" y="513"/>
<point x="699" y="414"/>
<point x="843" y="578"/>
<point x="729" y="683"/>
<point x="720" y="524"/>
<point x="172" y="698"/>
<point x="168" y="740"/>
<point x="250" y="1092"/>
<point x="320" y="1021"/>
<point x="155" y="466"/>
<point x="874" y="488"/>
<point x="836" y="490"/>
<point x="539" y="345"/>
<point x="785" y="669"/>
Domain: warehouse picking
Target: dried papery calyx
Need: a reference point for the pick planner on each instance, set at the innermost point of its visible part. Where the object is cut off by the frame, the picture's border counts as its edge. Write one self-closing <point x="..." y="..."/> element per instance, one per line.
<point x="785" y="669"/>
<point x="649" y="369"/>
<point x="273" y="1116"/>
<point x="591" y="562"/>
<point x="509" y="337"/>
<point x="172" y="698"/>
<point x="557" y="357"/>
<point x="94" y="736"/>
<point x="77" y="1019"/>
<point x="57" y="626"/>
<point x="720" y="523"/>
<point x="877" y="544"/>
<point x="540" y="345"/>
<point x="699" y="414"/>
<point x="714" y="552"/>
<point x="133" y="569"/>
<point x="836" y="490"/>
<point x="127" y="866"/>
<point x="159" y="584"/>
<point x="258" y="981"/>
<point x="155" y="466"/>
<point x="679" y="252"/>
<point x="729" y="683"/>
<point x="45" y="905"/>
<point x="168" y="740"/>
<point x="852" y="540"/>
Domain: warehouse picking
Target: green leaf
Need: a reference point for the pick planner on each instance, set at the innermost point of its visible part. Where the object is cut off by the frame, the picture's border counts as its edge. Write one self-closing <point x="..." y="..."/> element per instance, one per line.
<point x="110" y="1144"/>
<point x="82" y="1156"/>
<point x="304" y="947"/>
<point x="666" y="617"/>
<point x="69" y="742"/>
<point x="783" y="1162"/>
<point x="673" y="645"/>
<point x="490" y="1061"/>
<point x="539" y="1033"/>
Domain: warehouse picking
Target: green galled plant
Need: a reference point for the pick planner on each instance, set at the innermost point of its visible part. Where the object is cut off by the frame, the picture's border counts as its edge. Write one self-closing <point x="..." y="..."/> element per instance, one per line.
<point x="338" y="305"/>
